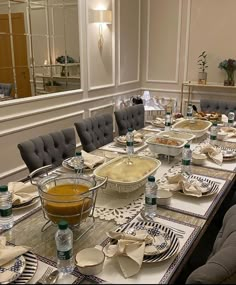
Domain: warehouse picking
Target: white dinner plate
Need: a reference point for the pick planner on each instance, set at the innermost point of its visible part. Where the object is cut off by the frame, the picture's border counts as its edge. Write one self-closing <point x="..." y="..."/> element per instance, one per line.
<point x="66" y="164"/>
<point x="122" y="141"/>
<point x="159" y="242"/>
<point x="27" y="204"/>
<point x="170" y="245"/>
<point x="211" y="190"/>
<point x="158" y="124"/>
<point x="30" y="269"/>
<point x="12" y="270"/>
<point x="228" y="153"/>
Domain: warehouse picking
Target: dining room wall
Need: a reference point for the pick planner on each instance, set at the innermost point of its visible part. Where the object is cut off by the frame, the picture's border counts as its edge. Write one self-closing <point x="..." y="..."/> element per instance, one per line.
<point x="168" y="34"/>
<point x="26" y="118"/>
<point x="174" y="34"/>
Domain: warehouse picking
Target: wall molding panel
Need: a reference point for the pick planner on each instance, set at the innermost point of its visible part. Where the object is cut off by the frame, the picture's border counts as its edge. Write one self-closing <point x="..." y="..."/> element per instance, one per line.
<point x="138" y="44"/>
<point x="177" y="55"/>
<point x="92" y="111"/>
<point x="40" y="123"/>
<point x="187" y="40"/>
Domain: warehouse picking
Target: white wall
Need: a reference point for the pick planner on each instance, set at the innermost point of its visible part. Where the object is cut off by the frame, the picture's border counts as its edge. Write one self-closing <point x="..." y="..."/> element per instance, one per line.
<point x="174" y="33"/>
<point x="178" y="31"/>
<point x="22" y="119"/>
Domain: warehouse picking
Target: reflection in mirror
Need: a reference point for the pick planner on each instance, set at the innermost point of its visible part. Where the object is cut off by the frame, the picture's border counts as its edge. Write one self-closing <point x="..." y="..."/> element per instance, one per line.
<point x="39" y="48"/>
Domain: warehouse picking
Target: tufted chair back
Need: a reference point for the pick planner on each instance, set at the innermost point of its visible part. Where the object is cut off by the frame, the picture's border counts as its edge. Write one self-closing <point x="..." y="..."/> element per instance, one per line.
<point x="48" y="149"/>
<point x="222" y="107"/>
<point x="95" y="132"/>
<point x="220" y="267"/>
<point x="5" y="88"/>
<point x="130" y="117"/>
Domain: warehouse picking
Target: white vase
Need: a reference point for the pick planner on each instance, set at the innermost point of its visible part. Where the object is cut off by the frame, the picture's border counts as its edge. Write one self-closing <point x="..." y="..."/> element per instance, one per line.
<point x="202" y="77"/>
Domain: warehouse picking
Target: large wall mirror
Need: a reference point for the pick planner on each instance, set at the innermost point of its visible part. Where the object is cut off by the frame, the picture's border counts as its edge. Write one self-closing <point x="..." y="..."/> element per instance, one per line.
<point x="39" y="47"/>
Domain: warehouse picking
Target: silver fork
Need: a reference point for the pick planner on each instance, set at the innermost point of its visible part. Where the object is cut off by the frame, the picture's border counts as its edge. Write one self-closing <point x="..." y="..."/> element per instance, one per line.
<point x="42" y="279"/>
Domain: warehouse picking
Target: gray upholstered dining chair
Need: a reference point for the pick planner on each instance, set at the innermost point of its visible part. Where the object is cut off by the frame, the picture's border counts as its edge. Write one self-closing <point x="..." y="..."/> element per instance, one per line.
<point x="220" y="106"/>
<point x="49" y="149"/>
<point x="130" y="117"/>
<point x="5" y="88"/>
<point x="220" y="267"/>
<point x="95" y="132"/>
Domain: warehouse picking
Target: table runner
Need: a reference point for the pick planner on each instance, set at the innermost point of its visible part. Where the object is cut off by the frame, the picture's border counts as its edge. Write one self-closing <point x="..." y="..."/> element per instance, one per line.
<point x="120" y="207"/>
<point x="226" y="165"/>
<point x="152" y="273"/>
<point x="232" y="139"/>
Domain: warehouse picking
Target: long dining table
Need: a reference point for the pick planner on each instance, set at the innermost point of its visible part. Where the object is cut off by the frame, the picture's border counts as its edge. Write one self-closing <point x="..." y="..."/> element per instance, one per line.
<point x="190" y="215"/>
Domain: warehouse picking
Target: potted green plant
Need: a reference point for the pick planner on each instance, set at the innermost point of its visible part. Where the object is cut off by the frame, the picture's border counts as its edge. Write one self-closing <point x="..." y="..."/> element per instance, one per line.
<point x="202" y="64"/>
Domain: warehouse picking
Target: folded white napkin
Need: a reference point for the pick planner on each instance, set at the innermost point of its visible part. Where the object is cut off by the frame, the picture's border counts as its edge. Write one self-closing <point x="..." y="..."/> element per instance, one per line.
<point x="179" y="182"/>
<point x="159" y="122"/>
<point x="138" y="137"/>
<point x="228" y="131"/>
<point x="22" y="192"/>
<point x="129" y="250"/>
<point x="214" y="153"/>
<point x="224" y="119"/>
<point x="7" y="254"/>
<point x="91" y="160"/>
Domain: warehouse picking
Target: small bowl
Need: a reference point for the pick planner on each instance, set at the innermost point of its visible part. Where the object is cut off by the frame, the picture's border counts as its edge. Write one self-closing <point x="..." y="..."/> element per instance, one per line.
<point x="221" y="136"/>
<point x="90" y="261"/>
<point x="198" y="158"/>
<point x="163" y="197"/>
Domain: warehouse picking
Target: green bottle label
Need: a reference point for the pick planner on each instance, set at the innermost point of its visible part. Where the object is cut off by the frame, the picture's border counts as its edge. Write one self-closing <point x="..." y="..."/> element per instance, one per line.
<point x="6" y="212"/>
<point x="185" y="162"/>
<point x="213" y="138"/>
<point x="129" y="143"/>
<point x="230" y="121"/>
<point x="150" y="201"/>
<point x="64" y="255"/>
<point x="167" y="124"/>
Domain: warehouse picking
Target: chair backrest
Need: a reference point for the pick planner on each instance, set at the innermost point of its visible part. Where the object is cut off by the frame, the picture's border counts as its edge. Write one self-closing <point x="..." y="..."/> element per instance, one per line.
<point x="130" y="117"/>
<point x="5" y="88"/>
<point x="95" y="132"/>
<point x="220" y="106"/>
<point x="220" y="267"/>
<point x="52" y="148"/>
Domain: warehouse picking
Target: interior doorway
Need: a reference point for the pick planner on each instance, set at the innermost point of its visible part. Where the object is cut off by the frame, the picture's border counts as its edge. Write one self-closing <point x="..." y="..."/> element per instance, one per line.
<point x="14" y="66"/>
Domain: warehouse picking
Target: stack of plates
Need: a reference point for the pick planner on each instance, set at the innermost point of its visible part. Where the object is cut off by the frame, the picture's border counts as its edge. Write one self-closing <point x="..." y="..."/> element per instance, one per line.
<point x="22" y="269"/>
<point x="121" y="140"/>
<point x="211" y="187"/>
<point x="26" y="204"/>
<point x="228" y="153"/>
<point x="67" y="163"/>
<point x="165" y="242"/>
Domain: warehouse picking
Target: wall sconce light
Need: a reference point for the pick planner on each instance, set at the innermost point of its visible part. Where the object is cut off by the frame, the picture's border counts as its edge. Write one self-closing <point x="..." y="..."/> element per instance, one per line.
<point x="101" y="17"/>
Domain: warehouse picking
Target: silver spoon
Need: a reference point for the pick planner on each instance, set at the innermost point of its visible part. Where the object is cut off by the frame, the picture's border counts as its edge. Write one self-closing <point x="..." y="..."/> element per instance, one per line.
<point x="52" y="278"/>
<point x="147" y="218"/>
